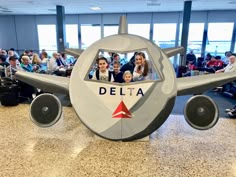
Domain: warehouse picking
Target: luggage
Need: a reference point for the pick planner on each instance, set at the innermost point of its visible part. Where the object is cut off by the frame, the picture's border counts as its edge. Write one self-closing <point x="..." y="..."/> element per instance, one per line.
<point x="8" y="92"/>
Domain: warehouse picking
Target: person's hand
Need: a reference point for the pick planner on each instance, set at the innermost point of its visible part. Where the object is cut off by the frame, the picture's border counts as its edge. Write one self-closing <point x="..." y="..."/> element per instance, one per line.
<point x="219" y="71"/>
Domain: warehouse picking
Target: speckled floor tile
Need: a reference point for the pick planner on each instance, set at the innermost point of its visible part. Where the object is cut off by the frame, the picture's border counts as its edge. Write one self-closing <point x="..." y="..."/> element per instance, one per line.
<point x="70" y="149"/>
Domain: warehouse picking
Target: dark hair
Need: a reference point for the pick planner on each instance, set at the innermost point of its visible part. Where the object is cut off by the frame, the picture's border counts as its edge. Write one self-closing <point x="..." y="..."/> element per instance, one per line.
<point x="13" y="58"/>
<point x="228" y="52"/>
<point x="101" y="58"/>
<point x="116" y="62"/>
<point x="45" y="54"/>
<point x="115" y="55"/>
<point x="63" y="54"/>
<point x="3" y="58"/>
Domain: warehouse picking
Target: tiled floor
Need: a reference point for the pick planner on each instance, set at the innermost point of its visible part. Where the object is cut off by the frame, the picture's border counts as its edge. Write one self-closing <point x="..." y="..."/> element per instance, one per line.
<point x="70" y="149"/>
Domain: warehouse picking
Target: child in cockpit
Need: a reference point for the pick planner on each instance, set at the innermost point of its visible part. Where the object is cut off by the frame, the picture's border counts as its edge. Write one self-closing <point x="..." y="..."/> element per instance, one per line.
<point x="127" y="77"/>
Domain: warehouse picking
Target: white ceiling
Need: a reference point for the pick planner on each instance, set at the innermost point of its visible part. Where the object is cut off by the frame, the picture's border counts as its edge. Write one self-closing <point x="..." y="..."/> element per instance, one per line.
<point x="108" y="6"/>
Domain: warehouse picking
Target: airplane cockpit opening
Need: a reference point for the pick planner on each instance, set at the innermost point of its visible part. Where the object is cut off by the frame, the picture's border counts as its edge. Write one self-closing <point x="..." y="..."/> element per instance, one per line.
<point x="123" y="67"/>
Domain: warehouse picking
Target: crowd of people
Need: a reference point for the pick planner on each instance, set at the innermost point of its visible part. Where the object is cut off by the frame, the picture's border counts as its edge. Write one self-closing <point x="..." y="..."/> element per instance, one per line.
<point x="30" y="61"/>
<point x="214" y="64"/>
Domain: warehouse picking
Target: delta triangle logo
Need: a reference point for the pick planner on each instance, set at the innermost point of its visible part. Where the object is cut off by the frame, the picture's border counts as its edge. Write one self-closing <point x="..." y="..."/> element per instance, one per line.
<point x="121" y="111"/>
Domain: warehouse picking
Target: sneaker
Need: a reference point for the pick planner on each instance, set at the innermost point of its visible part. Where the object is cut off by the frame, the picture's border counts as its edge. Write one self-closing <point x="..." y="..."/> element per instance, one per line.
<point x="232" y="114"/>
<point x="230" y="110"/>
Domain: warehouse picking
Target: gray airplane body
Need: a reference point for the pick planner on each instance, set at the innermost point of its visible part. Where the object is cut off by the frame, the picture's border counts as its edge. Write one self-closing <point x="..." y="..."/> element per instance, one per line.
<point x="120" y="111"/>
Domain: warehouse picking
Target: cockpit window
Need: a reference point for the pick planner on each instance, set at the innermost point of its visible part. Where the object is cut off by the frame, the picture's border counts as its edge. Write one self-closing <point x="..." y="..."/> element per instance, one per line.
<point x="123" y="67"/>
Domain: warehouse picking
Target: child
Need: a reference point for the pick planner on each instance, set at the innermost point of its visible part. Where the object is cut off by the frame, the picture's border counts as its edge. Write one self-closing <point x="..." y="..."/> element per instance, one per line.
<point x="117" y="74"/>
<point x="127" y="76"/>
<point x="103" y="73"/>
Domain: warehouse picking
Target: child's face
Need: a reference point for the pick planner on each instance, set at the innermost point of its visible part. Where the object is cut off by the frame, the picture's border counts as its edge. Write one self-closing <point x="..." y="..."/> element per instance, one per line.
<point x="127" y="78"/>
<point x="102" y="64"/>
<point x="116" y="68"/>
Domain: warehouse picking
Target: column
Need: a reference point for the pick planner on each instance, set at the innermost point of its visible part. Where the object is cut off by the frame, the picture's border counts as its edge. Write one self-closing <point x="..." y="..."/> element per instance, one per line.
<point x="185" y="29"/>
<point x="61" y="32"/>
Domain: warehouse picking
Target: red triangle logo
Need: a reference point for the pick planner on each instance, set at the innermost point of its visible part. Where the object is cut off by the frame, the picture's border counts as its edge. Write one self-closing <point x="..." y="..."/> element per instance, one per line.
<point x="121" y="111"/>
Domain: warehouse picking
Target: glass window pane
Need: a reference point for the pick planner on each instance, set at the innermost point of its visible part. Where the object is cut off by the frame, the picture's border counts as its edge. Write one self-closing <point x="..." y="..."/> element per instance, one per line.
<point x="89" y="34"/>
<point x="164" y="35"/>
<point x="139" y="29"/>
<point x="72" y="36"/>
<point x="110" y="30"/>
<point x="47" y="38"/>
<point x="219" y="38"/>
<point x="195" y="36"/>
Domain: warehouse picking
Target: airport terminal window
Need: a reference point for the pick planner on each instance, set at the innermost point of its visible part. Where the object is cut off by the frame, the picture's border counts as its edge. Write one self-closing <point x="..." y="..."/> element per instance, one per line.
<point x="164" y="36"/>
<point x="112" y="67"/>
<point x="219" y="38"/>
<point x="89" y="34"/>
<point x="195" y="36"/>
<point x="139" y="29"/>
<point x="72" y="36"/>
<point x="47" y="38"/>
<point x="110" y="30"/>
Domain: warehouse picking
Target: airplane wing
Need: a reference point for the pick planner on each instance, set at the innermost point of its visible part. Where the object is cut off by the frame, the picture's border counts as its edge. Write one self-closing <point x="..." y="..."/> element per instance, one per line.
<point x="170" y="52"/>
<point x="74" y="52"/>
<point x="48" y="83"/>
<point x="202" y="83"/>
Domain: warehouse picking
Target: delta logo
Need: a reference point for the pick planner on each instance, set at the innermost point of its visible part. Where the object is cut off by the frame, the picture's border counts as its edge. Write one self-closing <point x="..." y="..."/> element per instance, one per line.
<point x="121" y="111"/>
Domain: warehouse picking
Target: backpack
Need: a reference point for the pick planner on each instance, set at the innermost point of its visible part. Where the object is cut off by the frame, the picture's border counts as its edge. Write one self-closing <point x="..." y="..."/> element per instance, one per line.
<point x="109" y="75"/>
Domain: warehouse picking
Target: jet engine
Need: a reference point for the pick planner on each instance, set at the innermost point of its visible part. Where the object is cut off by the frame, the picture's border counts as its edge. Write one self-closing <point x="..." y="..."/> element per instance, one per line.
<point x="201" y="112"/>
<point x="45" y="110"/>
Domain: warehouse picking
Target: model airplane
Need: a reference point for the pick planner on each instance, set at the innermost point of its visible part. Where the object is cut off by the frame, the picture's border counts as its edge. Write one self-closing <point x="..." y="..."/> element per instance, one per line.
<point x="119" y="111"/>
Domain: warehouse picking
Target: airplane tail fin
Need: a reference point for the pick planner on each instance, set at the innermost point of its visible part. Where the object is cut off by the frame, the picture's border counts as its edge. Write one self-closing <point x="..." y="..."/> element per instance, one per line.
<point x="170" y="52"/>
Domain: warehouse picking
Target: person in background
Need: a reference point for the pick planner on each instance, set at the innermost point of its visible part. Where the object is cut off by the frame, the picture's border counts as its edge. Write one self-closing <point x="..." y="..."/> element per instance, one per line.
<point x="130" y="65"/>
<point x="231" y="67"/>
<point x="226" y="58"/>
<point x="191" y="58"/>
<point x="26" y="65"/>
<point x="52" y="62"/>
<point x="14" y="66"/>
<point x="37" y="64"/>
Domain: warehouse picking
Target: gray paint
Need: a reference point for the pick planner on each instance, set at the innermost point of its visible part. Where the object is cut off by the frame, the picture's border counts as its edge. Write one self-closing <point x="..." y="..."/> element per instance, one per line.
<point x="48" y="83"/>
<point x="162" y="90"/>
<point x="202" y="83"/>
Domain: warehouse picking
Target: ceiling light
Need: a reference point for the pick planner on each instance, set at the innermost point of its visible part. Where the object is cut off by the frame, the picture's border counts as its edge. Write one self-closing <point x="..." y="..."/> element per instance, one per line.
<point x="95" y="8"/>
<point x="153" y="4"/>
